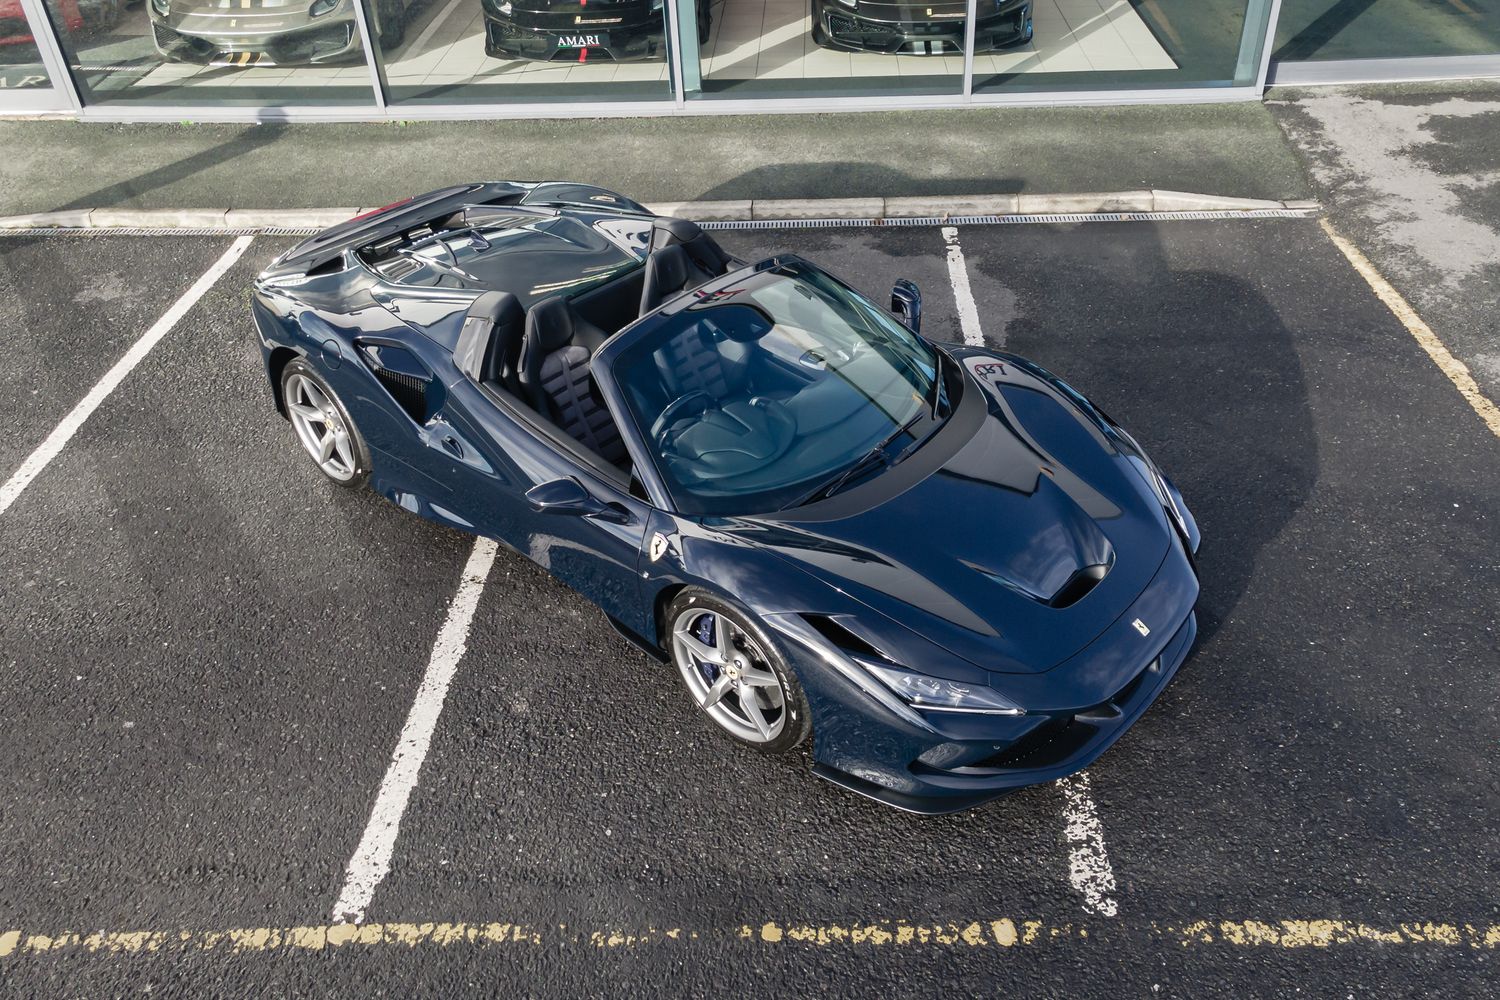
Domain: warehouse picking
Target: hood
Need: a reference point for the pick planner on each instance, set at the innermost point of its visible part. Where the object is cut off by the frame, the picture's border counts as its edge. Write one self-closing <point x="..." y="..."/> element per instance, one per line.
<point x="1023" y="546"/>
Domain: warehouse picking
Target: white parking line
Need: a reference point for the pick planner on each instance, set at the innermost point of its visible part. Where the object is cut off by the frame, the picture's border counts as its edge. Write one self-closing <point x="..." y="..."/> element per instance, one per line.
<point x="1089" y="869"/>
<point x="1088" y="862"/>
<point x="64" y="431"/>
<point x="958" y="275"/>
<point x="372" y="858"/>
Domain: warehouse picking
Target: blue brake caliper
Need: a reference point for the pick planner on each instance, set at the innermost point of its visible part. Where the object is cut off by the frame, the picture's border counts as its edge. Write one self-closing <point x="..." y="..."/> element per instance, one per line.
<point x="703" y="631"/>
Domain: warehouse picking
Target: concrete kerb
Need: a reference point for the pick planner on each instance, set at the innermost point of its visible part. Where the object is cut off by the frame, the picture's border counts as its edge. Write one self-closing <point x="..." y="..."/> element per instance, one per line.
<point x="748" y="210"/>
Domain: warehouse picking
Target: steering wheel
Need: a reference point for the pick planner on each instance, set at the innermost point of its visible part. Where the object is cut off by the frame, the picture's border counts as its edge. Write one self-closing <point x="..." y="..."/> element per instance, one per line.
<point x="677" y="409"/>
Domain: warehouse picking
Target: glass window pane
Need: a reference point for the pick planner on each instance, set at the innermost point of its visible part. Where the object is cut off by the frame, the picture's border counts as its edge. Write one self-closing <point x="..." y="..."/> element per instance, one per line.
<point x="836" y="48"/>
<point x="1365" y="29"/>
<point x="1127" y="44"/>
<point x="20" y="64"/>
<point x="257" y="53"/>
<point x="529" y="51"/>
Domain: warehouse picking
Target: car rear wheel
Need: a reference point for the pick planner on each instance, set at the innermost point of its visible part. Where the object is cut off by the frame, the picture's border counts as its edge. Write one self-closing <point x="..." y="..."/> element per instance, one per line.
<point x="735" y="674"/>
<point x="323" y="425"/>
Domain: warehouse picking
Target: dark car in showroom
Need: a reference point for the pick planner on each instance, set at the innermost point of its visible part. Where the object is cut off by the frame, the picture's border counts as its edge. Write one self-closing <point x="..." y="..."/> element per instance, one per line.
<point x="941" y="564"/>
<point x="580" y="30"/>
<point x="918" y="28"/>
<point x="271" y="32"/>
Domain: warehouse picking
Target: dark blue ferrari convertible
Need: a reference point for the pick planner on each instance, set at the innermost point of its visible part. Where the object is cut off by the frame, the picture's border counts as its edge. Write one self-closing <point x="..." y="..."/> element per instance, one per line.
<point x="941" y="564"/>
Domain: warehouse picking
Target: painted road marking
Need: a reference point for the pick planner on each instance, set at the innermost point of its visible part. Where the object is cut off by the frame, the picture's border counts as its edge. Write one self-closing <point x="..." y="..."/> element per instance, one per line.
<point x="1088" y="862"/>
<point x="958" y="276"/>
<point x="1089" y="869"/>
<point x="988" y="933"/>
<point x="372" y="858"/>
<point x="1456" y="370"/>
<point x="63" y="432"/>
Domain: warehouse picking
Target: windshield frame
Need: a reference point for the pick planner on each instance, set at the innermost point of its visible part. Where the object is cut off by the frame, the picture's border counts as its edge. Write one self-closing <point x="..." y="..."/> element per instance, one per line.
<point x="638" y="440"/>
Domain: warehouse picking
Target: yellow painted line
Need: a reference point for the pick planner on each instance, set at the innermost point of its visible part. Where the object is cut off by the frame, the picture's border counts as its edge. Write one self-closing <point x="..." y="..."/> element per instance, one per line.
<point x="1457" y="372"/>
<point x="1002" y="934"/>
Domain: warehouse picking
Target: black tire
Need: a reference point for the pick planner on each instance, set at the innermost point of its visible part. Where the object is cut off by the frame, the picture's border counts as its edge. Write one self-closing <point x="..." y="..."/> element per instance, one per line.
<point x="300" y="369"/>
<point x="392" y="24"/>
<point x="796" y="715"/>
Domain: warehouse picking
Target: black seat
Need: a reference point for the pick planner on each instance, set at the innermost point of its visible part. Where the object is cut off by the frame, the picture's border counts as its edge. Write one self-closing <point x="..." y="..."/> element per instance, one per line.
<point x="556" y="381"/>
<point x="489" y="342"/>
<point x="669" y="271"/>
<point x="701" y="249"/>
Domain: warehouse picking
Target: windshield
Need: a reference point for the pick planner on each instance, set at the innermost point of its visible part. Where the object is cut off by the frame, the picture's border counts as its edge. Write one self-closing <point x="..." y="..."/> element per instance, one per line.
<point x="759" y="393"/>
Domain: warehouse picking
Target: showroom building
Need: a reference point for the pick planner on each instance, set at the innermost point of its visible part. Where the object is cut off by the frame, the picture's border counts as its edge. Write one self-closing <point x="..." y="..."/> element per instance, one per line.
<point x="406" y="59"/>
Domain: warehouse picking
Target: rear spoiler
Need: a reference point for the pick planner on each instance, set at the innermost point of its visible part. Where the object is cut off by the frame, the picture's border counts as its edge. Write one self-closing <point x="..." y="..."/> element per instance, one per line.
<point x="384" y="223"/>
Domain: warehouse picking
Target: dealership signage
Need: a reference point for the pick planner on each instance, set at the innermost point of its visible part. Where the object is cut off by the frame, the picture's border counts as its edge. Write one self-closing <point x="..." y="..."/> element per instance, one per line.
<point x="20" y="80"/>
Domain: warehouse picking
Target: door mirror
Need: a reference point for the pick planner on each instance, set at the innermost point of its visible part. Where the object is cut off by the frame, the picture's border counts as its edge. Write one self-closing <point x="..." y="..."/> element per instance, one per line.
<point x="569" y="496"/>
<point x="906" y="302"/>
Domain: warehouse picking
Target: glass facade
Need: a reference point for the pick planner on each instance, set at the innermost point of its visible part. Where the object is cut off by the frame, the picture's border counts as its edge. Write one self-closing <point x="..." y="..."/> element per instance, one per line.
<point x="1320" y="30"/>
<point x="530" y="52"/>
<point x="398" y="58"/>
<point x="1129" y="45"/>
<point x="21" y="66"/>
<point x="230" y="53"/>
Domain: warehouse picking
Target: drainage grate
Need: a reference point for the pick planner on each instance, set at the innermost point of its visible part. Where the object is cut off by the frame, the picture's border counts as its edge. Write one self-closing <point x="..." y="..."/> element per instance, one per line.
<point x="1013" y="220"/>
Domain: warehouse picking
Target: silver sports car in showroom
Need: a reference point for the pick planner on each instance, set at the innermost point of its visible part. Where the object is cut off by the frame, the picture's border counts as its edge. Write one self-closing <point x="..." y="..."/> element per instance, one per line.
<point x="270" y="32"/>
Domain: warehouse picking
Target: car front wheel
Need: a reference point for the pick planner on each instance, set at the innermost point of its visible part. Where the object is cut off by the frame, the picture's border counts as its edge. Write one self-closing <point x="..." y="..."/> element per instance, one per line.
<point x="735" y="674"/>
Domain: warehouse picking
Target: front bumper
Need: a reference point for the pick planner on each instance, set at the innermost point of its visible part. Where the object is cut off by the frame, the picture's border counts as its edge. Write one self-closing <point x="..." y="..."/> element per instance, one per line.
<point x="261" y="36"/>
<point x="914" y="28"/>
<point x="618" y="33"/>
<point x="961" y="761"/>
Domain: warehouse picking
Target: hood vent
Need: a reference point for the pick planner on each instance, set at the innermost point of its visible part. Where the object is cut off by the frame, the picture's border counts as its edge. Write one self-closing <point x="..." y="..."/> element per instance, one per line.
<point x="1078" y="586"/>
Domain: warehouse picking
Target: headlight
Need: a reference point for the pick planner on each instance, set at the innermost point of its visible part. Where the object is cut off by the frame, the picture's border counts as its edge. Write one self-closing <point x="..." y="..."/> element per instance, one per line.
<point x="655" y="6"/>
<point x="938" y="694"/>
<point x="321" y="7"/>
<point x="851" y="4"/>
<point x="506" y="7"/>
<point x="162" y="7"/>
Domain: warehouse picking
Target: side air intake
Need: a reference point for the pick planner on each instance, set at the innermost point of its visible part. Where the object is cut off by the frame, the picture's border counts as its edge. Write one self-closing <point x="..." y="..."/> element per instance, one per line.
<point x="408" y="390"/>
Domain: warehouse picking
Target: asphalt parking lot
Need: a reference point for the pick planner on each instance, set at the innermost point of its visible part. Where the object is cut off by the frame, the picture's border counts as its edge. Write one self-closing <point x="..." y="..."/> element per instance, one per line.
<point x="208" y="655"/>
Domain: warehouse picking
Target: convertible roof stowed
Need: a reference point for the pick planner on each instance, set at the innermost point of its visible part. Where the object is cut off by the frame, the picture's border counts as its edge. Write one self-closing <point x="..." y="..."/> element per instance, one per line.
<point x="943" y="558"/>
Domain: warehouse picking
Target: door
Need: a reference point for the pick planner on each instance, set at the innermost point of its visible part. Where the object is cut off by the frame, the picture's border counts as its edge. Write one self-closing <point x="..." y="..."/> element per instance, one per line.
<point x="494" y="454"/>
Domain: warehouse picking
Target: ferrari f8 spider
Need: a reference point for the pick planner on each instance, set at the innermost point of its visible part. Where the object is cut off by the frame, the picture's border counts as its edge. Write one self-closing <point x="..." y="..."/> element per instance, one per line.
<point x="940" y="564"/>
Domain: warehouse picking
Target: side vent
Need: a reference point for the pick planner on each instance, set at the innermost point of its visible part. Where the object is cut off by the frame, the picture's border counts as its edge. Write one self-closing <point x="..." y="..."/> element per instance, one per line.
<point x="835" y="632"/>
<point x="408" y="390"/>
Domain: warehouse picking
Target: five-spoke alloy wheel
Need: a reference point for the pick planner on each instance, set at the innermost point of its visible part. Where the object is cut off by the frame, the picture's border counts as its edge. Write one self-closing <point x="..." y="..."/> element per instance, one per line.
<point x="734" y="673"/>
<point x="323" y="425"/>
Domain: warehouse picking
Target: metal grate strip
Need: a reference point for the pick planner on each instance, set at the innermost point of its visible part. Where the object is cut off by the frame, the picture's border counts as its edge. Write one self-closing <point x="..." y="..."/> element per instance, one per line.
<point x="1014" y="220"/>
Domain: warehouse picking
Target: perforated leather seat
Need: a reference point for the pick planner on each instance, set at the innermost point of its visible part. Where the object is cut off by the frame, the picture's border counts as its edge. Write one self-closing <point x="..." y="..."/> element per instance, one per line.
<point x="555" y="377"/>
